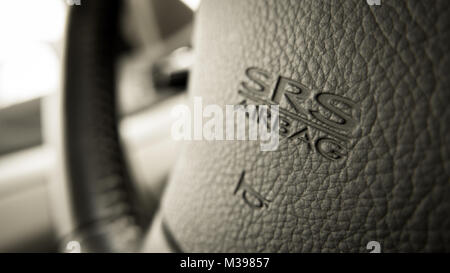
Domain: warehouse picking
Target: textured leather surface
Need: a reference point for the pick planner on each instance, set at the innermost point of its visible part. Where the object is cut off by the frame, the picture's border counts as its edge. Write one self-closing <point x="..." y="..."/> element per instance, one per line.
<point x="392" y="184"/>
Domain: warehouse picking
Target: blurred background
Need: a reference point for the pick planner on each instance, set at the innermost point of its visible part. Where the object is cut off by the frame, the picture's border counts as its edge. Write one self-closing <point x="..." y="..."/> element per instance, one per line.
<point x="157" y="37"/>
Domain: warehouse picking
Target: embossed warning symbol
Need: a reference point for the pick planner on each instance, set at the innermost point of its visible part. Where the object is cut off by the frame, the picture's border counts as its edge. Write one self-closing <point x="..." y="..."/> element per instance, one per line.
<point x="322" y="121"/>
<point x="250" y="196"/>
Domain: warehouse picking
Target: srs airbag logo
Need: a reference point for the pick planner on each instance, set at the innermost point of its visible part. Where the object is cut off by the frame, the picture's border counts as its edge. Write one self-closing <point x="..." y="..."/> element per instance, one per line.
<point x="322" y="121"/>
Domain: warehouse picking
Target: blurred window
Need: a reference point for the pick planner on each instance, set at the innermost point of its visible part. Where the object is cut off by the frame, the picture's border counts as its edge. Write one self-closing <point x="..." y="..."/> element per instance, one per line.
<point x="31" y="34"/>
<point x="30" y="48"/>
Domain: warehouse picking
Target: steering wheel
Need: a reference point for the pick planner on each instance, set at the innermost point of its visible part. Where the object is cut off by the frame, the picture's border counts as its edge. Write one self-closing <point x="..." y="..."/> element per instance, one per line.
<point x="364" y="157"/>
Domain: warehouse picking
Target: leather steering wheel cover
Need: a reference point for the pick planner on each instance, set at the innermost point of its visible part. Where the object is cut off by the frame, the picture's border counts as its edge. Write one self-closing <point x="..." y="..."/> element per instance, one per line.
<point x="392" y="186"/>
<point x="104" y="205"/>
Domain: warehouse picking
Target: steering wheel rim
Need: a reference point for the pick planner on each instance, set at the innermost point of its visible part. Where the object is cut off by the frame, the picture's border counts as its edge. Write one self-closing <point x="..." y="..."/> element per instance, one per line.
<point x="104" y="205"/>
